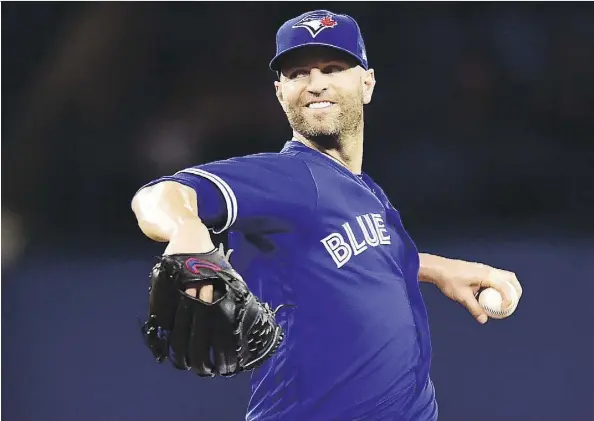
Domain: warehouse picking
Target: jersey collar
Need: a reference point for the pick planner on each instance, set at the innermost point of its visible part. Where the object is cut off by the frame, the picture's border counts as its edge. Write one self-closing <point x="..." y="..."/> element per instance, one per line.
<point x="363" y="179"/>
<point x="295" y="145"/>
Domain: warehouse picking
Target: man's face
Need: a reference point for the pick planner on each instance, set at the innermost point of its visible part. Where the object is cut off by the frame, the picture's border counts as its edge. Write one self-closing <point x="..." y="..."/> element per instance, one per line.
<point x="322" y="91"/>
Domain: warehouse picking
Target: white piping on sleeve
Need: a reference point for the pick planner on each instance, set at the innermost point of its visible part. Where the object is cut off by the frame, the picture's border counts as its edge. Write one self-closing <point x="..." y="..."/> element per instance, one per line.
<point x="230" y="199"/>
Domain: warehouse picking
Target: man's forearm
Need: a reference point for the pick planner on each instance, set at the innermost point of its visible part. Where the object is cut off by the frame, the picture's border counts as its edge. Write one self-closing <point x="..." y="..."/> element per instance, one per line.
<point x="167" y="212"/>
<point x="431" y="266"/>
<point x="191" y="237"/>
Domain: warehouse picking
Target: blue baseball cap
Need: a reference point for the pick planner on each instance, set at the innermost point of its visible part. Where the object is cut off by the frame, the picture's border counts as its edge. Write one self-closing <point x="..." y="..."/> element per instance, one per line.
<point x="322" y="28"/>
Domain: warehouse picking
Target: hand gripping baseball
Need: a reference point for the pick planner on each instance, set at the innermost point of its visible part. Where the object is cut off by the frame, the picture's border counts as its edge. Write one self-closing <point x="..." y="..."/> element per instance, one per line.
<point x="240" y="331"/>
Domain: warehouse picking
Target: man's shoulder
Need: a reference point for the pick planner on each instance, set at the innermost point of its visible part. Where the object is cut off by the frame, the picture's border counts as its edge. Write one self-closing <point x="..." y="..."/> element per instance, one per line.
<point x="280" y="156"/>
<point x="283" y="162"/>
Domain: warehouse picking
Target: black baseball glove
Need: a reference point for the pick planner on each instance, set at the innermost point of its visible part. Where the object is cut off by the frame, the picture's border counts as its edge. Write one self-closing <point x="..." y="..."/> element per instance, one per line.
<point x="233" y="333"/>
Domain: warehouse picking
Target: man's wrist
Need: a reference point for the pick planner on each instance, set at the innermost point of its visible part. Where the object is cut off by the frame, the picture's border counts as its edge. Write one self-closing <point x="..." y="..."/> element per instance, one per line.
<point x="190" y="237"/>
<point x="430" y="267"/>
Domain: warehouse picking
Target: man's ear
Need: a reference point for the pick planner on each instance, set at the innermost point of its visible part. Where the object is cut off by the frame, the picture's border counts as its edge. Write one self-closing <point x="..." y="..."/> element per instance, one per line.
<point x="279" y="93"/>
<point x="368" y="85"/>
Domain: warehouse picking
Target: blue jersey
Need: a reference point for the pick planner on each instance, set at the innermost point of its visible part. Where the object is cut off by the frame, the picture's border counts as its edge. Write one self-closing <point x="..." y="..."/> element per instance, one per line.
<point x="307" y="231"/>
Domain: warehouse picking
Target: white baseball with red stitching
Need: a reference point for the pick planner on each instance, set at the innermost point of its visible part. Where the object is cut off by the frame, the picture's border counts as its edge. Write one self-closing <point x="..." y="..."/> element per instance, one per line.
<point x="490" y="300"/>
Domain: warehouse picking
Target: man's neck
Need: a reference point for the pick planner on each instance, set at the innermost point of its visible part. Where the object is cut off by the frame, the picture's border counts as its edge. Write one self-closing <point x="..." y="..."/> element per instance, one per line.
<point x="347" y="151"/>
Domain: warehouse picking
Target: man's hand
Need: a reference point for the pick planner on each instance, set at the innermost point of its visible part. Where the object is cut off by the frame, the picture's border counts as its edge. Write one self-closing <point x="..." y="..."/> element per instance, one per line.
<point x="461" y="281"/>
<point x="231" y="333"/>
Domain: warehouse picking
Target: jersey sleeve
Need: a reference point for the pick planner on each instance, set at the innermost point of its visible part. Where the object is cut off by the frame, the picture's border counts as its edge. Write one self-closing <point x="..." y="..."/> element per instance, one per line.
<point x="250" y="193"/>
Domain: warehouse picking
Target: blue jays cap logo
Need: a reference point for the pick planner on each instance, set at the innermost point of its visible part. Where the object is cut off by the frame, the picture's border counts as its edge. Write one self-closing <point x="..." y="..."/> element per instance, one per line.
<point x="316" y="23"/>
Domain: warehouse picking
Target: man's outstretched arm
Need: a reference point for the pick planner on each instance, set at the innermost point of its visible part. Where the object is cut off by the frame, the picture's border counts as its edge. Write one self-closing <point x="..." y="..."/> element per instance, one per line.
<point x="223" y="329"/>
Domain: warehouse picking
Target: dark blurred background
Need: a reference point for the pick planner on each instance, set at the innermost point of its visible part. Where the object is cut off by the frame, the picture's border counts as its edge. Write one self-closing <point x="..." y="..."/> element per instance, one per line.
<point x="481" y="131"/>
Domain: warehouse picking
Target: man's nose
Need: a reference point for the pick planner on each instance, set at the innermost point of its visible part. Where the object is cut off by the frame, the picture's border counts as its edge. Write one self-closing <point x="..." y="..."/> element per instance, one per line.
<point x="318" y="82"/>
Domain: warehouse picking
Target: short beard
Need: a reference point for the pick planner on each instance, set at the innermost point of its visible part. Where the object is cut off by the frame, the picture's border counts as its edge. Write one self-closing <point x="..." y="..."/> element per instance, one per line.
<point x="326" y="137"/>
<point x="348" y="121"/>
<point x="325" y="141"/>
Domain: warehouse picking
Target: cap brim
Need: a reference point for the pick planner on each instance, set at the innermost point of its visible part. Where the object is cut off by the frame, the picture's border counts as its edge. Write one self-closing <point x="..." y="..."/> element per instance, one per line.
<point x="274" y="63"/>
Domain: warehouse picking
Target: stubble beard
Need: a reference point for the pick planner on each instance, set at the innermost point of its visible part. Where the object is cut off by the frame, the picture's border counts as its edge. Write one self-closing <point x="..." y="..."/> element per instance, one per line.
<point x="327" y="130"/>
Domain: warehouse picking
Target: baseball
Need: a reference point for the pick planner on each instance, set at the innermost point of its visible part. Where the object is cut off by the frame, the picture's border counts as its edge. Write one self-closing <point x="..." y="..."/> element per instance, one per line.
<point x="491" y="300"/>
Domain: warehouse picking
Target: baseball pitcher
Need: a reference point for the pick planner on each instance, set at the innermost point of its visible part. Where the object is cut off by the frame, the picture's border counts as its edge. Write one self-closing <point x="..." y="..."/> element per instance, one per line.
<point x="320" y="296"/>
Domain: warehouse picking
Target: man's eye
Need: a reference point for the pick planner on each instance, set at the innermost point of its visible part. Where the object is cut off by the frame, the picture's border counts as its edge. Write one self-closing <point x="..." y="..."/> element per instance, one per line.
<point x="298" y="73"/>
<point x="333" y="69"/>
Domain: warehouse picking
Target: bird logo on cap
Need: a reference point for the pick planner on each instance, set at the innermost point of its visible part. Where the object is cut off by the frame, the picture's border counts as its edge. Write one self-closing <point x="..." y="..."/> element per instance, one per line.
<point x="316" y="23"/>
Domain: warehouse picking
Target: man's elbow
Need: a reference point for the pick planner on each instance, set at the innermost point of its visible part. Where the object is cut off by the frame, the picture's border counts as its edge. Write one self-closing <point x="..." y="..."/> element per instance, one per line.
<point x="160" y="208"/>
<point x="136" y="203"/>
<point x="151" y="231"/>
<point x="141" y="203"/>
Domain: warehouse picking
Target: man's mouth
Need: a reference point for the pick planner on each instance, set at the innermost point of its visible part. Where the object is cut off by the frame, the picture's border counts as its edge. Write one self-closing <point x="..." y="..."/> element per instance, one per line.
<point x="319" y="105"/>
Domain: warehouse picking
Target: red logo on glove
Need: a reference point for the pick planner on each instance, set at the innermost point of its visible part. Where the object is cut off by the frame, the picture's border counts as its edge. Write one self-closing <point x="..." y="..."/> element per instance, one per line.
<point x="194" y="265"/>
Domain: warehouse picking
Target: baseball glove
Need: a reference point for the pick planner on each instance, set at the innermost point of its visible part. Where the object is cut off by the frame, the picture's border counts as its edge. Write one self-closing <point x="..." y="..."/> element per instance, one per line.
<point x="233" y="333"/>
